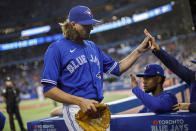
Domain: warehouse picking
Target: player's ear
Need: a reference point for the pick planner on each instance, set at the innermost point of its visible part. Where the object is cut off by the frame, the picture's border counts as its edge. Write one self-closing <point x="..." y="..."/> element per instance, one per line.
<point x="159" y="79"/>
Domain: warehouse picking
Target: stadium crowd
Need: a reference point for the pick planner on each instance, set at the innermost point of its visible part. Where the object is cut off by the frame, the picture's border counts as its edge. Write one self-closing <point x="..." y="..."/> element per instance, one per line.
<point x="27" y="75"/>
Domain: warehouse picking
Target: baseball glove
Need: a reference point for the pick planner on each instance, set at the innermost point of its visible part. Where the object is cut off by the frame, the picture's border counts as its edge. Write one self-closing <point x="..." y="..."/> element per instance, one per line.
<point x="94" y="121"/>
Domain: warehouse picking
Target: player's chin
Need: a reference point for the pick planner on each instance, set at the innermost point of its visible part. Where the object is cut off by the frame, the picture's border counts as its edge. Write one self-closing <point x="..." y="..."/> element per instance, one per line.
<point x="86" y="37"/>
<point x="146" y="90"/>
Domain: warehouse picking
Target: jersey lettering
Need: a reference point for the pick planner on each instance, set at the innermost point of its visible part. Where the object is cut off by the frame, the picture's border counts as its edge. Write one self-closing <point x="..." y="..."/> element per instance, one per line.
<point x="95" y="60"/>
<point x="73" y="65"/>
<point x="84" y="58"/>
<point x="70" y="68"/>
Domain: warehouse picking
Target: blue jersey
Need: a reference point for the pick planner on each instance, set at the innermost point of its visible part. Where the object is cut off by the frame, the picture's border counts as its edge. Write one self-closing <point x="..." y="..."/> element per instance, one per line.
<point x="77" y="69"/>
<point x="183" y="72"/>
<point x="2" y="121"/>
<point x="161" y="103"/>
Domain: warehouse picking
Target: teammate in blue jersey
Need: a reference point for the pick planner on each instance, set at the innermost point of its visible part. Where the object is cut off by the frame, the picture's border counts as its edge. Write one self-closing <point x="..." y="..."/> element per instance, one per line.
<point x="153" y="78"/>
<point x="169" y="61"/>
<point x="74" y="66"/>
<point x="2" y="121"/>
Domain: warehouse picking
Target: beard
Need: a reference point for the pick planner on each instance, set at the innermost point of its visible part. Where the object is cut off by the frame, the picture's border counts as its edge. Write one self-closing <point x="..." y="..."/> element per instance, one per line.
<point x="83" y="36"/>
<point x="149" y="90"/>
<point x="77" y="36"/>
<point x="72" y="34"/>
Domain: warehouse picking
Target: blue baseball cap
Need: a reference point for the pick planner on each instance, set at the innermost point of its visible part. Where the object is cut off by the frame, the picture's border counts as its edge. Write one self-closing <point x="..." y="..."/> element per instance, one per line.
<point x="82" y="15"/>
<point x="193" y="61"/>
<point x="152" y="70"/>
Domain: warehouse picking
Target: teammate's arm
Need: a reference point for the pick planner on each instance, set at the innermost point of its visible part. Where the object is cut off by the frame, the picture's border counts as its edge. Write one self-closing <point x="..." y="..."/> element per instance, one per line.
<point x="63" y="97"/>
<point x="156" y="104"/>
<point x="171" y="62"/>
<point x="127" y="62"/>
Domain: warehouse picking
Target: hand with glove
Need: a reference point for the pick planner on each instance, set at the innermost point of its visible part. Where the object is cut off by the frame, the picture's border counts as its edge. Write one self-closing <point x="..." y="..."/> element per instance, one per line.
<point x="94" y="121"/>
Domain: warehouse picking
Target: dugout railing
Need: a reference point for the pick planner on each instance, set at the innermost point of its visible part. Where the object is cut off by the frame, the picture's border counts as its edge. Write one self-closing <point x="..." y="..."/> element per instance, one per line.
<point x="175" y="121"/>
<point x="132" y="101"/>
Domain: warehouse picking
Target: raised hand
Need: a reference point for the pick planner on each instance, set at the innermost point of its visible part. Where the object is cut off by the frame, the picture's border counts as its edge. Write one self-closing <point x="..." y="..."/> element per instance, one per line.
<point x="145" y="45"/>
<point x="133" y="81"/>
<point x="154" y="45"/>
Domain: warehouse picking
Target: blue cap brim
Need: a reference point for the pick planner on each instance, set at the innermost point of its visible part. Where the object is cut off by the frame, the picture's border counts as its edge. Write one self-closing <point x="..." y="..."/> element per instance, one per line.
<point x="146" y="74"/>
<point x="88" y="22"/>
<point x="143" y="74"/>
<point x="193" y="61"/>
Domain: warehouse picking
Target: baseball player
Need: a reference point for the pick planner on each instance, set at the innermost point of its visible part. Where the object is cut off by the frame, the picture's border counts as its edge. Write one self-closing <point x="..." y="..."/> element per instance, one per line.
<point x="183" y="72"/>
<point x="153" y="79"/>
<point x="74" y="66"/>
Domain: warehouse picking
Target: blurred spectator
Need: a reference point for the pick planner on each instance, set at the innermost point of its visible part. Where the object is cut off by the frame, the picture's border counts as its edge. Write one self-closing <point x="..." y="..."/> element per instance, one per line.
<point x="40" y="92"/>
<point x="11" y="96"/>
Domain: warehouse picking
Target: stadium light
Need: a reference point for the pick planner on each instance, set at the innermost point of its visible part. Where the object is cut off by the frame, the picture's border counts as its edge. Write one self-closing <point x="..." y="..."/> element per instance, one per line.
<point x="36" y="31"/>
<point x="99" y="28"/>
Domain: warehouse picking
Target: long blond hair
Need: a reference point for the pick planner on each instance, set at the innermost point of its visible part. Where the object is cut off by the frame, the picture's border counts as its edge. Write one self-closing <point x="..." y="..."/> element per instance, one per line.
<point x="68" y="31"/>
